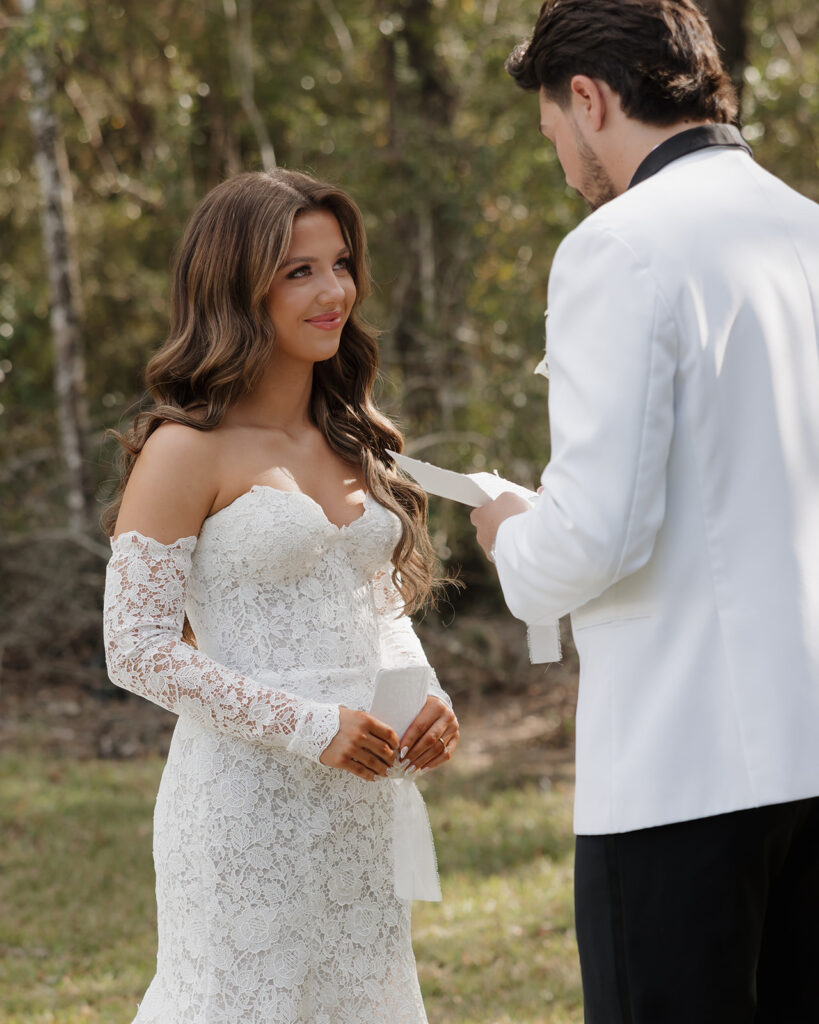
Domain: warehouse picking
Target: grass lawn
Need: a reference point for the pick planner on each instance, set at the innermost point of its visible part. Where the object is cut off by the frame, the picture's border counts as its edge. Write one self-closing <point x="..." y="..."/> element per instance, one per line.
<point x="77" y="940"/>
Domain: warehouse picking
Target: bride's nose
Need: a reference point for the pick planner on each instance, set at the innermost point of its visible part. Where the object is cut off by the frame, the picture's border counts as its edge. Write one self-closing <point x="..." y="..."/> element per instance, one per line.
<point x="331" y="289"/>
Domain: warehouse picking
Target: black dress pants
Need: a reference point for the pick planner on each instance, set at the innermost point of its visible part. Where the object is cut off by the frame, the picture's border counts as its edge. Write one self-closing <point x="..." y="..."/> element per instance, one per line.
<point x="713" y="921"/>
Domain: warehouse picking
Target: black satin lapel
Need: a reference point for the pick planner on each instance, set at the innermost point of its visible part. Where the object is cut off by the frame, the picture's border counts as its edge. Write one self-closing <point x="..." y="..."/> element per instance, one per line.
<point x="704" y="136"/>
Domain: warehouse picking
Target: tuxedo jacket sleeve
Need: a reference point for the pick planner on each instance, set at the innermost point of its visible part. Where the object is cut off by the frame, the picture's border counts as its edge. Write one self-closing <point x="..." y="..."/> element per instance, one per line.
<point x="612" y="351"/>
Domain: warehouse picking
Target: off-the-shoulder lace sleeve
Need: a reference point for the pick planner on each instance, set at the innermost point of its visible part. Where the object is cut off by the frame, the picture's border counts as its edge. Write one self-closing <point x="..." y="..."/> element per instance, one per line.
<point x="145" y="587"/>
<point x="399" y="643"/>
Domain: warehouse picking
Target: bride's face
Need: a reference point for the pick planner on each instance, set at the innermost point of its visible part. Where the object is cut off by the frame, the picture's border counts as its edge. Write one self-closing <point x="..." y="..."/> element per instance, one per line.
<point x="313" y="291"/>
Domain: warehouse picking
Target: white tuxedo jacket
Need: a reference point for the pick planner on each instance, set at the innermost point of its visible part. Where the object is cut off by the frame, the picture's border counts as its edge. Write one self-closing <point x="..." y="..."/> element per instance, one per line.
<point x="679" y="521"/>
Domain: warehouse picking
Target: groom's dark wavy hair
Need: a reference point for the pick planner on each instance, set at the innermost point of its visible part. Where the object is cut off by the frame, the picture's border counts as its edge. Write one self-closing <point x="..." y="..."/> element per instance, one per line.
<point x="659" y="56"/>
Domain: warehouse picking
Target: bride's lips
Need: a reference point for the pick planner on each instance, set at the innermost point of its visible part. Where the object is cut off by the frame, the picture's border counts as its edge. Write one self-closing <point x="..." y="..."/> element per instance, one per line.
<point x="326" y="321"/>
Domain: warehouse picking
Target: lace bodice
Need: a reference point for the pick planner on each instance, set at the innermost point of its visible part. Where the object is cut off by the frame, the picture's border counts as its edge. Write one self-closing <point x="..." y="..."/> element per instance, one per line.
<point x="291" y="619"/>
<point x="274" y="873"/>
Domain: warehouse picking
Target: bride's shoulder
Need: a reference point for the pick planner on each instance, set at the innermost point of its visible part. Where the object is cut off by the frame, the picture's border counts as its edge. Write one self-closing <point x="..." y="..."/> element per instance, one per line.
<point x="173" y="483"/>
<point x="173" y="441"/>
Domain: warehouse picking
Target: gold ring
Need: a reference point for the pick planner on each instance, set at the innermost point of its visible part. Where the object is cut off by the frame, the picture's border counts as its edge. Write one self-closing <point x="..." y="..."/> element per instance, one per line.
<point x="441" y="741"/>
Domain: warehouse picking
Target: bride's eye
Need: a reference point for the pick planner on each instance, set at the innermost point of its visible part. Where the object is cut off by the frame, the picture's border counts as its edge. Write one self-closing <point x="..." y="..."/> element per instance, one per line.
<point x="345" y="263"/>
<point x="301" y="271"/>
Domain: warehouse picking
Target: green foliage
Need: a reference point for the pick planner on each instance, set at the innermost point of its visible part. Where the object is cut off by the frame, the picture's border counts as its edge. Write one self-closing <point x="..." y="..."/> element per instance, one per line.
<point x="77" y="933"/>
<point x="416" y="117"/>
<point x="781" y="101"/>
<point x="75" y="888"/>
<point x="407" y="106"/>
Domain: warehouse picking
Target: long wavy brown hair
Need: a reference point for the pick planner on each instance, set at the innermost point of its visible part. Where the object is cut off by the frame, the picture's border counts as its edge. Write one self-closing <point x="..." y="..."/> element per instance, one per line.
<point x="221" y="339"/>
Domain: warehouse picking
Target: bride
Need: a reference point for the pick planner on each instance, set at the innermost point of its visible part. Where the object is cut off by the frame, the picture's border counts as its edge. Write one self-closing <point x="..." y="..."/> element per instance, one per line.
<point x="265" y="555"/>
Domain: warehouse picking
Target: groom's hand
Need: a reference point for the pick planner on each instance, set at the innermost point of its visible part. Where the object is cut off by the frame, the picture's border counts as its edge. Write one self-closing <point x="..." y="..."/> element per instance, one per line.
<point x="488" y="518"/>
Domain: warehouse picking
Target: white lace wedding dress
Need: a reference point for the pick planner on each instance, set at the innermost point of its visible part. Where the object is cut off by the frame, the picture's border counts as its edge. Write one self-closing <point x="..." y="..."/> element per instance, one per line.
<point x="275" y="890"/>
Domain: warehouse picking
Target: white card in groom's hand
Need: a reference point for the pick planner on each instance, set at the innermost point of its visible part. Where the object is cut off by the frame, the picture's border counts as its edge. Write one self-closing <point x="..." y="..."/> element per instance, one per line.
<point x="400" y="693"/>
<point x="473" y="489"/>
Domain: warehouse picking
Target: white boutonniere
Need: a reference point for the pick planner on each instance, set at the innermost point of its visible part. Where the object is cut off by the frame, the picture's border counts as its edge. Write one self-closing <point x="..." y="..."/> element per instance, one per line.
<point x="543" y="366"/>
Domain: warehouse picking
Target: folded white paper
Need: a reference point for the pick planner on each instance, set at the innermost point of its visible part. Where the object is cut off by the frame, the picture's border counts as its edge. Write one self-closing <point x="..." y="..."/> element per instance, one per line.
<point x="473" y="489"/>
<point x="544" y="643"/>
<point x="400" y="693"/>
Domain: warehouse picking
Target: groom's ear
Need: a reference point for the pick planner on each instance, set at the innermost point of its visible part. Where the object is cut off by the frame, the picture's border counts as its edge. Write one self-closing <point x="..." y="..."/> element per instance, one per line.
<point x="590" y="100"/>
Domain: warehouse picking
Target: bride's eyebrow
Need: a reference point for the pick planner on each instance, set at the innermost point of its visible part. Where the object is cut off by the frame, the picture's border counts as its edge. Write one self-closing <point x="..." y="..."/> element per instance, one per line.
<point x="345" y="251"/>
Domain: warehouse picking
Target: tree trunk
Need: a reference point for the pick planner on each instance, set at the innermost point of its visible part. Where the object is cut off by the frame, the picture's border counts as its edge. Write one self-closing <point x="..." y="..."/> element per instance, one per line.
<point x="239" y="16"/>
<point x="419" y="93"/>
<point x="727" y="18"/>
<point x="69" y="363"/>
<point x="339" y="27"/>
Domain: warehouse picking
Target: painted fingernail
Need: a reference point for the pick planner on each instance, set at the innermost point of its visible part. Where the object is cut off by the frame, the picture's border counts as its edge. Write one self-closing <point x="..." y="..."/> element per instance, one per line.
<point x="404" y="763"/>
<point x="410" y="771"/>
<point x="404" y="752"/>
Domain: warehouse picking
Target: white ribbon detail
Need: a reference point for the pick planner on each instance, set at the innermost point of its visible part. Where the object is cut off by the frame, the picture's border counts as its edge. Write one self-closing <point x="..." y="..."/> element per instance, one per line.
<point x="415" y="866"/>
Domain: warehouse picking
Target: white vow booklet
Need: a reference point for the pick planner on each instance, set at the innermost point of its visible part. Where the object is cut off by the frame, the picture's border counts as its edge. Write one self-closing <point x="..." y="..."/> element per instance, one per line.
<point x="473" y="489"/>
<point x="400" y="693"/>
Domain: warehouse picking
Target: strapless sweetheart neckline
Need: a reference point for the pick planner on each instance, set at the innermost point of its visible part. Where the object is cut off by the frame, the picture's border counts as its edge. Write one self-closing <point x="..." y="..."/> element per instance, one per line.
<point x="296" y="494"/>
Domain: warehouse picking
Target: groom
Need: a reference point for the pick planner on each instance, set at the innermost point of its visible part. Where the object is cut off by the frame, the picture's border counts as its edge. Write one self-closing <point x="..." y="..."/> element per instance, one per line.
<point x="679" y="523"/>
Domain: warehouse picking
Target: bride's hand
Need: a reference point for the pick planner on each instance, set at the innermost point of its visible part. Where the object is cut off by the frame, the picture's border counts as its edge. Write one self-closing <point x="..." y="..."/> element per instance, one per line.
<point x="431" y="739"/>
<point x="362" y="745"/>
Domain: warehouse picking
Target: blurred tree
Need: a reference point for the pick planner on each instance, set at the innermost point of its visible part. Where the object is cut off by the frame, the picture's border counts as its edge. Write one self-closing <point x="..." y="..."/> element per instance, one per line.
<point x="404" y="103"/>
<point x="421" y="159"/>
<point x="728" y="21"/>
<point x="781" y="98"/>
<point x="63" y="271"/>
<point x="239" y="15"/>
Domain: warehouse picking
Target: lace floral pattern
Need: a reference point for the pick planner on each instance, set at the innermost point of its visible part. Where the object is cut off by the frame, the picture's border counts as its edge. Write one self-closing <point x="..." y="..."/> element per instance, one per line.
<point x="275" y="890"/>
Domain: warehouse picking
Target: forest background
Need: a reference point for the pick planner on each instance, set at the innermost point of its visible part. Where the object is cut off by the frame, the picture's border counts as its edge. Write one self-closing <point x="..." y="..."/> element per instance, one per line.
<point x="133" y="111"/>
<point x="115" y="118"/>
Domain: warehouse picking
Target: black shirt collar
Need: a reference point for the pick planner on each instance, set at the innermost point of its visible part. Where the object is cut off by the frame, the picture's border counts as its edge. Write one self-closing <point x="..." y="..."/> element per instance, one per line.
<point x="689" y="141"/>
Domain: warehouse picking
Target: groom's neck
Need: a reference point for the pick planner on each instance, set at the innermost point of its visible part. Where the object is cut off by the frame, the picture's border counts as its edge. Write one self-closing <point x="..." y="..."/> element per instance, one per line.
<point x="624" y="143"/>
